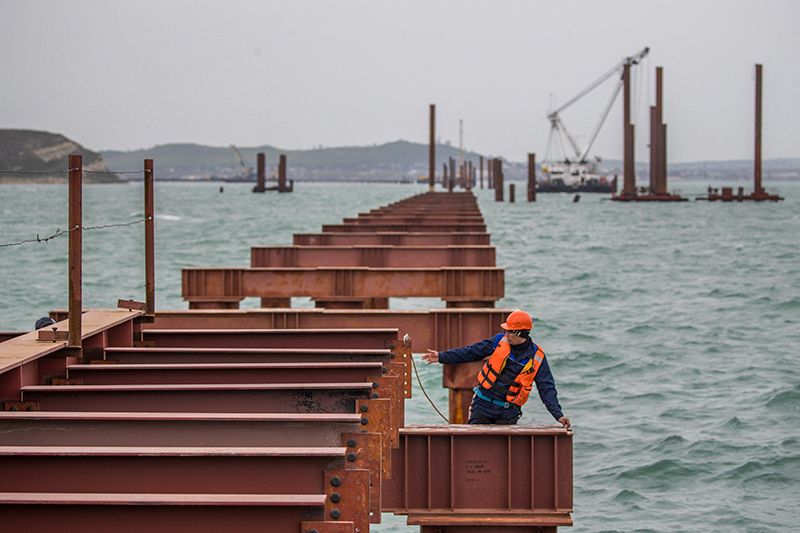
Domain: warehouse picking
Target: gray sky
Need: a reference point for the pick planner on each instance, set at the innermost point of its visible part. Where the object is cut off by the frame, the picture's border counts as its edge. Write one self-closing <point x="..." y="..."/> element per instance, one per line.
<point x="299" y="74"/>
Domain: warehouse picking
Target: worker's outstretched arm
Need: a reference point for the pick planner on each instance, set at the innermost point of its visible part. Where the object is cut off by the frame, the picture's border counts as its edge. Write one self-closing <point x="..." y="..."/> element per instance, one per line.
<point x="431" y="357"/>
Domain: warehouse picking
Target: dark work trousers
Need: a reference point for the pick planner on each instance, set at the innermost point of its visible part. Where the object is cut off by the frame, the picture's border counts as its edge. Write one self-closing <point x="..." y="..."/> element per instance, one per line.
<point x="483" y="412"/>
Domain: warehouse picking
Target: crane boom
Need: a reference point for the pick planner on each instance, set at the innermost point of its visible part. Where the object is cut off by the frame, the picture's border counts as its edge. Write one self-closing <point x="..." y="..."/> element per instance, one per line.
<point x="556" y="124"/>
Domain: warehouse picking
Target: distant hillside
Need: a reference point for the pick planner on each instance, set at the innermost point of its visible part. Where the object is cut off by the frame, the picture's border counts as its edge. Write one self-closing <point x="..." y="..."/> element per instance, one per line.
<point x="29" y="152"/>
<point x="395" y="161"/>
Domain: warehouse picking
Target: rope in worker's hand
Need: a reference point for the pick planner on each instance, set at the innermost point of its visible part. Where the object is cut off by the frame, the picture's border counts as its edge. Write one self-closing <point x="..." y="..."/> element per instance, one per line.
<point x="414" y="364"/>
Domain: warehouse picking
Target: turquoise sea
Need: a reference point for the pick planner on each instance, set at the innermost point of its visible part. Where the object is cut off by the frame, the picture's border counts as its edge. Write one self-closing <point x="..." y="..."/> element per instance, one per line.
<point x="673" y="330"/>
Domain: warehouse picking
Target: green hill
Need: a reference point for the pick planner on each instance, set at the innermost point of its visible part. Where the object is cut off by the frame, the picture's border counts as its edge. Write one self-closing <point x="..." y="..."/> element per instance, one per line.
<point x="28" y="156"/>
<point x="395" y="161"/>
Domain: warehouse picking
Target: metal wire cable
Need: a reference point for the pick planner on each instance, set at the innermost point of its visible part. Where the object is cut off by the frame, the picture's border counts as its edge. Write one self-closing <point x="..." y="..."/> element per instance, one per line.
<point x="68" y="171"/>
<point x="414" y="364"/>
<point x="58" y="232"/>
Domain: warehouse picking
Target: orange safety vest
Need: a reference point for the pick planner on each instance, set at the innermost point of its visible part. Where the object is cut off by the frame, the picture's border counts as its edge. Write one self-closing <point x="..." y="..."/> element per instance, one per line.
<point x="518" y="389"/>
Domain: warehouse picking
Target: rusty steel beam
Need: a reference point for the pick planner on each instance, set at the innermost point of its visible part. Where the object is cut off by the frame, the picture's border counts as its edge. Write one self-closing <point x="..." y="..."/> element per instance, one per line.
<point x="355" y="338"/>
<point x="468" y="477"/>
<point x="413" y="217"/>
<point x="458" y="286"/>
<point x="213" y="470"/>
<point x="182" y="470"/>
<point x="193" y="355"/>
<point x="206" y="398"/>
<point x="134" y="513"/>
<point x="428" y="227"/>
<point x="186" y="373"/>
<point x="438" y="329"/>
<point x="41" y="428"/>
<point x="372" y="256"/>
<point x="392" y="239"/>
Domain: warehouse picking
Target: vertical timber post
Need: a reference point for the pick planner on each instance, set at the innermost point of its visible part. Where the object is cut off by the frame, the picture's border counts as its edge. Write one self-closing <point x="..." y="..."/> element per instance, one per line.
<point x="511" y="193"/>
<point x="432" y="150"/>
<point x="489" y="173"/>
<point x="444" y="175"/>
<point x="75" y="249"/>
<point x="481" y="166"/>
<point x="453" y="174"/>
<point x="149" y="241"/>
<point x="531" y="177"/>
<point x="629" y="171"/>
<point x="757" y="165"/>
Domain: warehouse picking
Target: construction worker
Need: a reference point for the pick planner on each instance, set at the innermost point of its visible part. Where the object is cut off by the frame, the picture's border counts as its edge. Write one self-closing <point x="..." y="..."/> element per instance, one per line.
<point x="507" y="377"/>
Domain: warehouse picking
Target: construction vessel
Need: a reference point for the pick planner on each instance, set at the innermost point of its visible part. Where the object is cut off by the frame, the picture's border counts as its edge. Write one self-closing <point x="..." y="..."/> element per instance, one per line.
<point x="563" y="172"/>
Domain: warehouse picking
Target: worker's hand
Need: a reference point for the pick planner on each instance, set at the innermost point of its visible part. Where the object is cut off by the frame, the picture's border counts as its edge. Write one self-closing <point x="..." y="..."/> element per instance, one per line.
<point x="564" y="421"/>
<point x="431" y="357"/>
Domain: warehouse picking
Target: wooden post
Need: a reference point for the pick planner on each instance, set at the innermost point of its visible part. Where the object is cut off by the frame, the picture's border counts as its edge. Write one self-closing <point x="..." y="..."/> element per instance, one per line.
<point x="75" y="249"/>
<point x="149" y="241"/>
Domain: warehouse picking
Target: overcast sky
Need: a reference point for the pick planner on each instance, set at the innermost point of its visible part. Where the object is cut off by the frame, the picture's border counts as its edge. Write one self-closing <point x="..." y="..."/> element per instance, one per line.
<point x="300" y="74"/>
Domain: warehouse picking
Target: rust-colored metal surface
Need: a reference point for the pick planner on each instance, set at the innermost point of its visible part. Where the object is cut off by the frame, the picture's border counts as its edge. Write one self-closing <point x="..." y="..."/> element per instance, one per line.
<point x="475" y="477"/>
<point x="438" y="329"/>
<point x="359" y="338"/>
<point x="347" y="499"/>
<point x="457" y="286"/>
<point x="206" y="398"/>
<point x="372" y="256"/>
<point x="167" y="470"/>
<point x="132" y="428"/>
<point x="392" y="238"/>
<point x="128" y="374"/>
<point x="134" y="513"/>
<point x="428" y="227"/>
<point x="178" y="355"/>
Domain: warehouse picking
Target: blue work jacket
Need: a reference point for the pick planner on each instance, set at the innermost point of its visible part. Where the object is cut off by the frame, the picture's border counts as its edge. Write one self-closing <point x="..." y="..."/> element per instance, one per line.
<point x="520" y="354"/>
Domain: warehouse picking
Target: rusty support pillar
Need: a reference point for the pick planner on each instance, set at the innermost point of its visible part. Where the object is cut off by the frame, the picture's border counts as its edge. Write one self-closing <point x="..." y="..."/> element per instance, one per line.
<point x="432" y="150"/>
<point x="481" y="167"/>
<point x="149" y="241"/>
<point x="282" y="173"/>
<point x="498" y="179"/>
<point x="453" y="174"/>
<point x="629" y="171"/>
<point x="444" y="174"/>
<point x="261" y="184"/>
<point x="511" y="193"/>
<point x="489" y="175"/>
<point x="758" y="191"/>
<point x="531" y="177"/>
<point x="75" y="249"/>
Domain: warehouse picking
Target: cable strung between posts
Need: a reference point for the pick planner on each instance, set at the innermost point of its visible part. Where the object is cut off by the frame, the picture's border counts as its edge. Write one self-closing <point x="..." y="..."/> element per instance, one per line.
<point x="414" y="364"/>
<point x="41" y="172"/>
<point x="59" y="232"/>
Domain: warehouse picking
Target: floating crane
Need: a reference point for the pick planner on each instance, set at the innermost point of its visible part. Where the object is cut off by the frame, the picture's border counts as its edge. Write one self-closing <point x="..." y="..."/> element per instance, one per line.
<point x="577" y="170"/>
<point x="249" y="174"/>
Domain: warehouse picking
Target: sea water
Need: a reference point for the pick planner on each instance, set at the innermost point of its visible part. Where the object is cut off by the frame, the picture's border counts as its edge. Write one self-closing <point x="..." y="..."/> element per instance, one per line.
<point x="672" y="329"/>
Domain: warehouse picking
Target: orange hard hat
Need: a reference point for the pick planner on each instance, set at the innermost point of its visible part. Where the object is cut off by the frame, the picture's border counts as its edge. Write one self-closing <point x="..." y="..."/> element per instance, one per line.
<point x="517" y="320"/>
